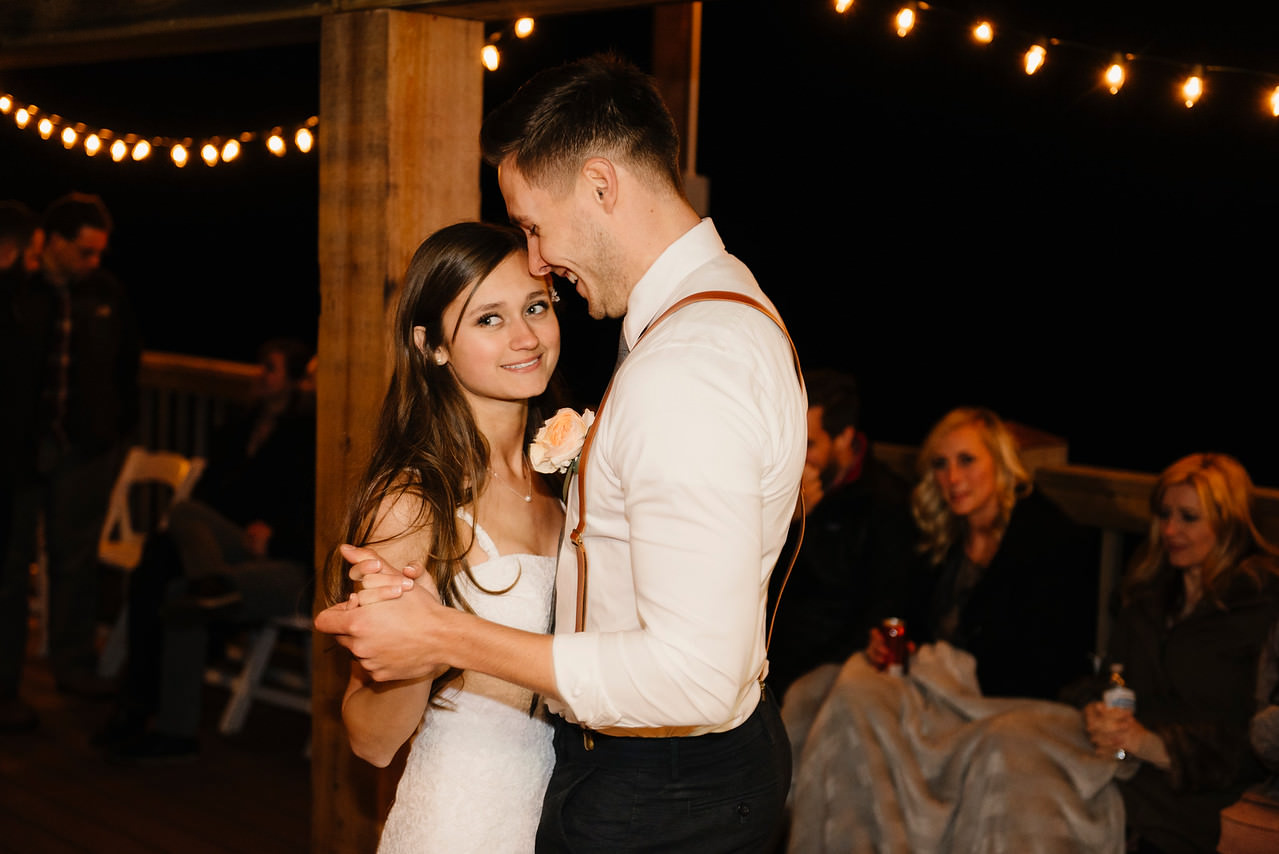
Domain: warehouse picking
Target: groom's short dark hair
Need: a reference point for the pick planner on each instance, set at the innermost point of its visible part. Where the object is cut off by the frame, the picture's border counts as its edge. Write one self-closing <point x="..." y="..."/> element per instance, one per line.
<point x="599" y="106"/>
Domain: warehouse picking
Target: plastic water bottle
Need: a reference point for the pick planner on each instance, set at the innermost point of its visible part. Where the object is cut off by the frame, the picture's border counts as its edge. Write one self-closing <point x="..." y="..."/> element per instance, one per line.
<point x="1119" y="696"/>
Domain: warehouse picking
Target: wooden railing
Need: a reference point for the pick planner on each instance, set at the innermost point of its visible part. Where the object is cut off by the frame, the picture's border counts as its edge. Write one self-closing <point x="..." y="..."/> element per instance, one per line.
<point x="185" y="398"/>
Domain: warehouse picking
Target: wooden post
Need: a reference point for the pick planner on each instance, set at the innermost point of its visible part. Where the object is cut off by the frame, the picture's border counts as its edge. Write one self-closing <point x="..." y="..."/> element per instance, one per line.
<point x="400" y="105"/>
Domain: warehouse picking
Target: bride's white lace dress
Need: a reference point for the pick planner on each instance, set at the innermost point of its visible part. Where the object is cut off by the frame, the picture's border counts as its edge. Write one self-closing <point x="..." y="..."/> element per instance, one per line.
<point x="477" y="771"/>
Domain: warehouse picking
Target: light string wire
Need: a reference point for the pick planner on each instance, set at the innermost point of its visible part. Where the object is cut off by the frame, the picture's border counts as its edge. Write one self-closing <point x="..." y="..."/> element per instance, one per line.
<point x="212" y="150"/>
<point x="905" y="18"/>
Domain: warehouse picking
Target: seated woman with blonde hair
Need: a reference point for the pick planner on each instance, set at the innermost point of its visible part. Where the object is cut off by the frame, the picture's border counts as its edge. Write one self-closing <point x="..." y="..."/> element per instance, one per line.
<point x="962" y="754"/>
<point x="1197" y="606"/>
<point x="1004" y="575"/>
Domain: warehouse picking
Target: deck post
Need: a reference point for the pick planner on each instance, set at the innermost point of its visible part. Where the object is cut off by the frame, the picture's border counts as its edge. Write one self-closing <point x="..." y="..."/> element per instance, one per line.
<point x="400" y="108"/>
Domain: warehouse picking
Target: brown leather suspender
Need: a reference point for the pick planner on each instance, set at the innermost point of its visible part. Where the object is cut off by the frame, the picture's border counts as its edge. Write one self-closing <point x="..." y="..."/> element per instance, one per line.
<point x="576" y="535"/>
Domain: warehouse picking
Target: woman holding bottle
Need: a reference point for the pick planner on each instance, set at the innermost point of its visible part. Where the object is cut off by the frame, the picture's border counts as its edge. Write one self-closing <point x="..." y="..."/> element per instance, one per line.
<point x="1197" y="605"/>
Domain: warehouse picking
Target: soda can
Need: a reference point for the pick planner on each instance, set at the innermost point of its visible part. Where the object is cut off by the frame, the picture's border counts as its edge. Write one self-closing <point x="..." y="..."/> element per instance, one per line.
<point x="894" y="631"/>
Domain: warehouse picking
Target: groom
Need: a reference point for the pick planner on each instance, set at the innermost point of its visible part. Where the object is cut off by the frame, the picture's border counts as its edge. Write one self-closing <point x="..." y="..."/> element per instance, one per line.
<point x="664" y="738"/>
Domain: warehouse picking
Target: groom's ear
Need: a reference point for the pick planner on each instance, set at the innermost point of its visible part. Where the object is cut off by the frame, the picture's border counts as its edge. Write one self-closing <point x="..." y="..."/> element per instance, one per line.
<point x="600" y="176"/>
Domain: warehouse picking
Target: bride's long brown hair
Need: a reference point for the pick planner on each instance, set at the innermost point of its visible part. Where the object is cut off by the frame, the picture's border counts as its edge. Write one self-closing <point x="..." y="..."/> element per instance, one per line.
<point x="428" y="445"/>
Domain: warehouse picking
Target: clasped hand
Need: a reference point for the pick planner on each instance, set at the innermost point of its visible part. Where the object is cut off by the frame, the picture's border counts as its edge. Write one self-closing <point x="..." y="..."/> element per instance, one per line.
<point x="1112" y="730"/>
<point x="398" y="639"/>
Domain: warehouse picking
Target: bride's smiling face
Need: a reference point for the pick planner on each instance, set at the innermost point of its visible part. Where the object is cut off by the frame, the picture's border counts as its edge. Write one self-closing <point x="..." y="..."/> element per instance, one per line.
<point x="507" y="338"/>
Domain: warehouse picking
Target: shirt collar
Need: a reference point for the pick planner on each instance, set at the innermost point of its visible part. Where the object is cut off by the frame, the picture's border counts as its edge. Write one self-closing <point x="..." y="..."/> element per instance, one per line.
<point x="658" y="286"/>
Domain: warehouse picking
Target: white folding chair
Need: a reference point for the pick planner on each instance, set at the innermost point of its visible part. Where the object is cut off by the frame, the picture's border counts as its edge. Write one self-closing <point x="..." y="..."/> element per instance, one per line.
<point x="255" y="678"/>
<point x="123" y="536"/>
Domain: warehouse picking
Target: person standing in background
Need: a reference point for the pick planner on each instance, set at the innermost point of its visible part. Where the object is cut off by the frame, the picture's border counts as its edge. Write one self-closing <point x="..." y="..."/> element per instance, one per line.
<point x="81" y="322"/>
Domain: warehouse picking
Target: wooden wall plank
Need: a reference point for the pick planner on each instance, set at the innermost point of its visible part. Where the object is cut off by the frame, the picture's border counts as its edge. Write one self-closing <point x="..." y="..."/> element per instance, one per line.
<point x="401" y="102"/>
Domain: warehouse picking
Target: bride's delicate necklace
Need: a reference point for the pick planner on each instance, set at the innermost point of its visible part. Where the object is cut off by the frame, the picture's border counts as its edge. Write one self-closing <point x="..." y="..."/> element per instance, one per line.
<point x="528" y="495"/>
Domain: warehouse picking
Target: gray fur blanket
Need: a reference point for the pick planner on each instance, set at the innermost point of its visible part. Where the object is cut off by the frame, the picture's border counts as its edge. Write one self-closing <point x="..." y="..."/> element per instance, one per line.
<point x="926" y="763"/>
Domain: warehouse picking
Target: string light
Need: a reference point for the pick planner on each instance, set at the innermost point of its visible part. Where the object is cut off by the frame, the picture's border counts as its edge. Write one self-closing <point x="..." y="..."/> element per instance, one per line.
<point x="491" y="57"/>
<point x="1190" y="84"/>
<point x="1193" y="88"/>
<point x="905" y="21"/>
<point x="1035" y="58"/>
<point x="213" y="150"/>
<point x="1114" y="77"/>
<point x="303" y="140"/>
<point x="92" y="141"/>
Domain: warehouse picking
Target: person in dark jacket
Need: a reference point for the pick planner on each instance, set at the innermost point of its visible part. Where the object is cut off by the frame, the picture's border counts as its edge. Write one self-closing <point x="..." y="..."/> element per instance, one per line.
<point x="22" y="382"/>
<point x="1197" y="606"/>
<point x="1004" y="574"/>
<point x="857" y="533"/>
<point x="81" y="345"/>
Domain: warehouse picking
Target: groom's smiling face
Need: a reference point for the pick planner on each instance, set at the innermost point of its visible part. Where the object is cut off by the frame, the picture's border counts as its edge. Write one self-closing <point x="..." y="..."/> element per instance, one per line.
<point x="566" y="237"/>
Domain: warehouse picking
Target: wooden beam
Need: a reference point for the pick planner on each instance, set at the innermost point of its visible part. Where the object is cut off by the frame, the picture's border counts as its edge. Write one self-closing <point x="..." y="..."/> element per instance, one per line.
<point x="401" y="101"/>
<point x="39" y="34"/>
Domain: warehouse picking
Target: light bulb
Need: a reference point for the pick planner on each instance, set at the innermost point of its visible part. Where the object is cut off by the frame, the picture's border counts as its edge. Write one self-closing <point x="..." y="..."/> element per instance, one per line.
<point x="491" y="57"/>
<point x="179" y="155"/>
<point x="275" y="144"/>
<point x="69" y="137"/>
<point x="304" y="140"/>
<point x="119" y="150"/>
<point x="230" y="150"/>
<point x="141" y="150"/>
<point x="92" y="144"/>
<point x="984" y="32"/>
<point x="1192" y="89"/>
<point x="1114" y="78"/>
<point x="905" y="21"/>
<point x="209" y="154"/>
<point x="523" y="28"/>
<point x="1035" y="58"/>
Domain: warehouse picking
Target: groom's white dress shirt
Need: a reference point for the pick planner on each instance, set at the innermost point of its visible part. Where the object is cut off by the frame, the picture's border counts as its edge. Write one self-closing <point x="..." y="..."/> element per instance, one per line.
<point x="691" y="484"/>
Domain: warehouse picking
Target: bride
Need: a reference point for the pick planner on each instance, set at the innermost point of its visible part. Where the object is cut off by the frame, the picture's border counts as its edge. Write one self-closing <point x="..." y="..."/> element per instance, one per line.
<point x="449" y="488"/>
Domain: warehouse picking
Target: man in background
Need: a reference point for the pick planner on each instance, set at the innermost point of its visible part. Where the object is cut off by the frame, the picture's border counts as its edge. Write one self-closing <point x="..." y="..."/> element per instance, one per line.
<point x="857" y="534"/>
<point x="21" y="243"/>
<point x="81" y="324"/>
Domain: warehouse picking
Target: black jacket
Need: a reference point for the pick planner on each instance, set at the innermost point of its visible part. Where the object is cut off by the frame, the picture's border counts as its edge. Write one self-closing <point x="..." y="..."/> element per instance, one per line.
<point x="855" y="541"/>
<point x="1031" y="619"/>
<point x="1195" y="681"/>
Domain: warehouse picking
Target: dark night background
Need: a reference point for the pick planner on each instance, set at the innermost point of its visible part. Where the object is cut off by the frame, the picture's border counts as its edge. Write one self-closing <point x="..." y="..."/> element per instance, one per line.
<point x="924" y="214"/>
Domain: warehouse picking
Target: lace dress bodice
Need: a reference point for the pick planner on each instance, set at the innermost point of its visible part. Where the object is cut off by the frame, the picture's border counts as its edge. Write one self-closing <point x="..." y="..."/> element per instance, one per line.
<point x="476" y="773"/>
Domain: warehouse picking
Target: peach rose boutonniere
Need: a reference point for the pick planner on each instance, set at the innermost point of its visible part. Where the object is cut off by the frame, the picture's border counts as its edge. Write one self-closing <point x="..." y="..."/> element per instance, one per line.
<point x="559" y="441"/>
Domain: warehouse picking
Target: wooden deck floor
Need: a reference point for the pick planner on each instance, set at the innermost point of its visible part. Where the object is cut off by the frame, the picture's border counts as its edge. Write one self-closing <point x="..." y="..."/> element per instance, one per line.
<point x="249" y="793"/>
